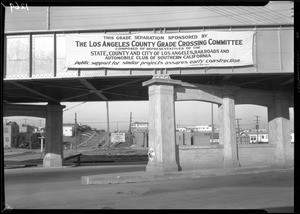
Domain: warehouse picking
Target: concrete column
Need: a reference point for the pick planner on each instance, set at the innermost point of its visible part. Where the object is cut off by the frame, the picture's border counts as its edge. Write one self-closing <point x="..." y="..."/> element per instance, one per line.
<point x="54" y="136"/>
<point x="162" y="136"/>
<point x="187" y="138"/>
<point x="228" y="131"/>
<point x="179" y="138"/>
<point x="279" y="129"/>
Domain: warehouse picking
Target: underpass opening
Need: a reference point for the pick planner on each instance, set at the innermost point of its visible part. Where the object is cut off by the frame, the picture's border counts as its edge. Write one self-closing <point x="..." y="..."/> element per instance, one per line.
<point x="197" y="135"/>
<point x="128" y="127"/>
<point x="23" y="132"/>
<point x="195" y="118"/>
<point x="258" y="131"/>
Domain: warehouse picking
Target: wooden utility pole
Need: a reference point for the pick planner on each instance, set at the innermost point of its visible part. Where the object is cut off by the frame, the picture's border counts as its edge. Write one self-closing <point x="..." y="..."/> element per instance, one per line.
<point x="212" y="122"/>
<point x="257" y="127"/>
<point x="107" y="115"/>
<point x="76" y="132"/>
<point x="42" y="144"/>
<point x="238" y="124"/>
<point x="237" y="147"/>
<point x="130" y="121"/>
<point x="107" y="141"/>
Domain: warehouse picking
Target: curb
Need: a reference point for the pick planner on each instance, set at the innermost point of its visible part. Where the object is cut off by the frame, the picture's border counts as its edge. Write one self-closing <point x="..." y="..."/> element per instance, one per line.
<point x="136" y="177"/>
<point x="13" y="154"/>
<point x="35" y="166"/>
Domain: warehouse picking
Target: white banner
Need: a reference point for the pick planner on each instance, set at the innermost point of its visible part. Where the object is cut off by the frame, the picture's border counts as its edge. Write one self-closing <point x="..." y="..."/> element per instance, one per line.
<point x="172" y="50"/>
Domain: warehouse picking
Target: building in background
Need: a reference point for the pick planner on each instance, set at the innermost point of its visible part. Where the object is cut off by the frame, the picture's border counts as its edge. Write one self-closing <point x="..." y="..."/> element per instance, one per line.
<point x="260" y="136"/>
<point x="40" y="130"/>
<point x="202" y="128"/>
<point x="181" y="129"/>
<point x="26" y="136"/>
<point x="10" y="134"/>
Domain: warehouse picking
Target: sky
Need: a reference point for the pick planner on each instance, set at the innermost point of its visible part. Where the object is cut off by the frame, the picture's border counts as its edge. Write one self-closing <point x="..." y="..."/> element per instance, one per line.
<point x="186" y="113"/>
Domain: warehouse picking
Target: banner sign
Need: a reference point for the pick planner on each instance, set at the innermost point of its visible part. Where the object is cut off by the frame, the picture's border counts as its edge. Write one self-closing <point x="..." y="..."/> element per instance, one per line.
<point x="117" y="137"/>
<point x="172" y="50"/>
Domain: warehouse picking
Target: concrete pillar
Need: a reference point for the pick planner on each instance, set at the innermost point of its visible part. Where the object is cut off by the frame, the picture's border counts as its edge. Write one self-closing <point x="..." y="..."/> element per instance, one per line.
<point x="227" y="128"/>
<point x="187" y="138"/>
<point x="179" y="138"/>
<point x="54" y="136"/>
<point x="162" y="136"/>
<point x="139" y="139"/>
<point x="279" y="129"/>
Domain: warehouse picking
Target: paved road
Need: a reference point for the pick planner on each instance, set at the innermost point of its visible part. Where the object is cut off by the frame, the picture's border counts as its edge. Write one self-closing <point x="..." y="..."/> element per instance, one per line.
<point x="61" y="189"/>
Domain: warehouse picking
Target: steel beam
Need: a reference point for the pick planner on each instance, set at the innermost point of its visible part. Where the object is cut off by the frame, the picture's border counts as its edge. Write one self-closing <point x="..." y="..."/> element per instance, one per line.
<point x="287" y="82"/>
<point x="93" y="89"/>
<point x="35" y="92"/>
<point x="227" y="77"/>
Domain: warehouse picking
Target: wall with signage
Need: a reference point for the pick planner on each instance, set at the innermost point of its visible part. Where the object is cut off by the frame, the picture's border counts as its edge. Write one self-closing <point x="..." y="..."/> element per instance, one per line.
<point x="235" y="51"/>
<point x="208" y="49"/>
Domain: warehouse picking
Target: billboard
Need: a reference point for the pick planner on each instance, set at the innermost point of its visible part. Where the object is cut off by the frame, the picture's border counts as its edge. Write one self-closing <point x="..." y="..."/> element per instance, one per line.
<point x="117" y="137"/>
<point x="153" y="50"/>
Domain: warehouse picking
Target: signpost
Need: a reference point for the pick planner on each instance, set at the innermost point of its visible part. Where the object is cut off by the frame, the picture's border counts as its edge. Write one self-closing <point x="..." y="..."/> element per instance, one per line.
<point x="117" y="137"/>
<point x="42" y="144"/>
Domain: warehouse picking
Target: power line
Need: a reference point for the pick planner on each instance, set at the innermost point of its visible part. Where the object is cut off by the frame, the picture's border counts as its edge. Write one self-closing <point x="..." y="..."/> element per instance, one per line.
<point x="107" y="15"/>
<point x="83" y="121"/>
<point x="233" y="16"/>
<point x="122" y="15"/>
<point x="257" y="16"/>
<point x="74" y="106"/>
<point x="276" y="15"/>
<point x="130" y="122"/>
<point x="182" y="11"/>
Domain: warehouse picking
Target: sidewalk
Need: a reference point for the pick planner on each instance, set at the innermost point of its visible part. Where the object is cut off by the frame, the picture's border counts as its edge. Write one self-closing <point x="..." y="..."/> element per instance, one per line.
<point x="135" y="177"/>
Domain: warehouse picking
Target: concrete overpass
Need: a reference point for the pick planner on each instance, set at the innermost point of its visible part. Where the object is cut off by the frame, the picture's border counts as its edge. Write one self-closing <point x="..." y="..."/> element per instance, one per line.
<point x="35" y="71"/>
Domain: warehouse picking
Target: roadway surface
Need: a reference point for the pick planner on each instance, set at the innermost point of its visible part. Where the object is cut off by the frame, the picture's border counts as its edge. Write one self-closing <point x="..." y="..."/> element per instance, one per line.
<point x="60" y="188"/>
